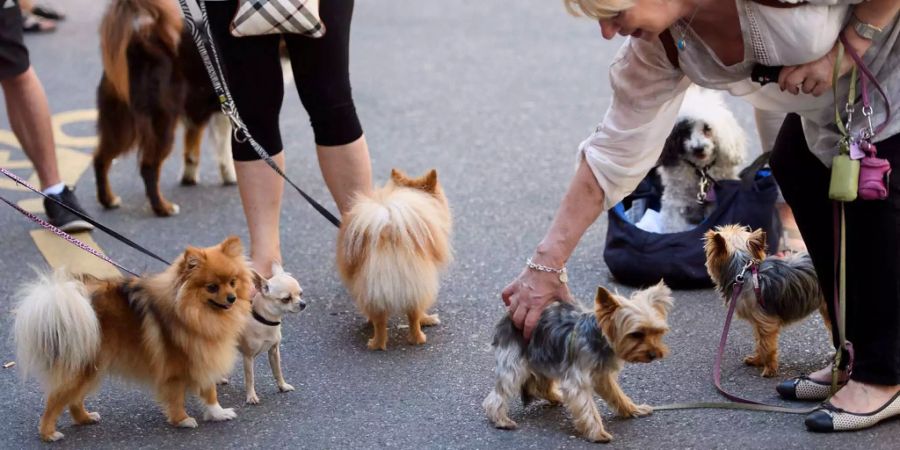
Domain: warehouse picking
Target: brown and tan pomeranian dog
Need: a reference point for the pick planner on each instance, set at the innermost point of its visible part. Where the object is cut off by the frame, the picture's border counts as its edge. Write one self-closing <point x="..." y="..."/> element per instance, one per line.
<point x="153" y="78"/>
<point x="788" y="287"/>
<point x="176" y="331"/>
<point x="391" y="248"/>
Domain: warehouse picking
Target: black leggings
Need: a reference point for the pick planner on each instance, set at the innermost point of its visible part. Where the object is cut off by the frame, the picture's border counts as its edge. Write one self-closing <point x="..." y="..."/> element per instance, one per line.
<point x="321" y="73"/>
<point x="873" y="250"/>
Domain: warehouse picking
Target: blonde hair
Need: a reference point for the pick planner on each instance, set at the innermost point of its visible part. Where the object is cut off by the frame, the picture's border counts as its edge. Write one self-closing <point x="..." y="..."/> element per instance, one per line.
<point x="598" y="9"/>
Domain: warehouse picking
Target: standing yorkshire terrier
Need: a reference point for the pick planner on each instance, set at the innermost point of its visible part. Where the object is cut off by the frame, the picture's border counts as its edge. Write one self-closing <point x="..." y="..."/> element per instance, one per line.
<point x="583" y="352"/>
<point x="788" y="287"/>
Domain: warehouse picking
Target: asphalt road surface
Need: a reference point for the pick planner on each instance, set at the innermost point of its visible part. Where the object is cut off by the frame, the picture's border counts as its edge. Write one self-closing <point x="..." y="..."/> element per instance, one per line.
<point x="494" y="94"/>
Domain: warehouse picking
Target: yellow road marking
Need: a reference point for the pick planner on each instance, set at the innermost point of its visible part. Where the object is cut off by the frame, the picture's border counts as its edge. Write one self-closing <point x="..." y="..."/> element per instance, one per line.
<point x="65" y="118"/>
<point x="60" y="253"/>
<point x="72" y="165"/>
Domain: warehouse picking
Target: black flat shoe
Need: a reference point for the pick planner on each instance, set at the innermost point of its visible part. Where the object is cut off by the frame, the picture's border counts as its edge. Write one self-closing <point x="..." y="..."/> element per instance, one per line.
<point x="804" y="388"/>
<point x="830" y="418"/>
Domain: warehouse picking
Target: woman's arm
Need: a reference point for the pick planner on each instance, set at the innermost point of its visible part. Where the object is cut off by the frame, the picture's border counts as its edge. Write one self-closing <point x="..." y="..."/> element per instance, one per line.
<point x="816" y="77"/>
<point x="528" y="295"/>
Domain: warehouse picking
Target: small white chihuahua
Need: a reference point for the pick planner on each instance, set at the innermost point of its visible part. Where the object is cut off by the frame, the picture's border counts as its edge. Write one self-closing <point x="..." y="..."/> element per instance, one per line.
<point x="274" y="298"/>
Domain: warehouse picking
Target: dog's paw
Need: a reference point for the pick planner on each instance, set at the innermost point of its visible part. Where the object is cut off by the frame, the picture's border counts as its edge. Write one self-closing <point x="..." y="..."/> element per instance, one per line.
<point x="166" y="209"/>
<point x="598" y="436"/>
<point x="223" y="381"/>
<point x="284" y="387"/>
<point x="216" y="413"/>
<point x="190" y="176"/>
<point x="642" y="411"/>
<point x="252" y="399"/>
<point x="430" y="320"/>
<point x="229" y="177"/>
<point x="111" y="203"/>
<point x="770" y="371"/>
<point x="92" y="418"/>
<point x="52" y="437"/>
<point x="189" y="422"/>
<point x="373" y="345"/>
<point x="753" y="360"/>
<point x="417" y="338"/>
<point x="505" y="423"/>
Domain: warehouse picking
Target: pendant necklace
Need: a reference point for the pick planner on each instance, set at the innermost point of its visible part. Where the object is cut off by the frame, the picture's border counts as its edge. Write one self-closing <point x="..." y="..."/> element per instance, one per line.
<point x="681" y="44"/>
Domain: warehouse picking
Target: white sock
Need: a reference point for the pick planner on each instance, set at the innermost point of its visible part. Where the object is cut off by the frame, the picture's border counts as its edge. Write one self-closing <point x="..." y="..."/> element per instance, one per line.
<point x="56" y="189"/>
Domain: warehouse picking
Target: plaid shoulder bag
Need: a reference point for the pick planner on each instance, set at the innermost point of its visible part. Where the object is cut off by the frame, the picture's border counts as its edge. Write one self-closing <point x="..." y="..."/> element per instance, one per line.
<point x="258" y="17"/>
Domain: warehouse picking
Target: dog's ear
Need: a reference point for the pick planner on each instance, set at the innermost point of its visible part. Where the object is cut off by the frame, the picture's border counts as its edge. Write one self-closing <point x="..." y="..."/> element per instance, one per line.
<point x="277" y="269"/>
<point x="398" y="176"/>
<point x="674" y="146"/>
<point x="430" y="181"/>
<point x="260" y="282"/>
<point x="232" y="246"/>
<point x="605" y="303"/>
<point x="714" y="244"/>
<point x="660" y="298"/>
<point x="757" y="244"/>
<point x="193" y="258"/>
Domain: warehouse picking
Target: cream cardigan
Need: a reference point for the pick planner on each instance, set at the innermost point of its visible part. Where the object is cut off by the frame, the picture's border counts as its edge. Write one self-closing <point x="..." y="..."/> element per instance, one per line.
<point x="648" y="90"/>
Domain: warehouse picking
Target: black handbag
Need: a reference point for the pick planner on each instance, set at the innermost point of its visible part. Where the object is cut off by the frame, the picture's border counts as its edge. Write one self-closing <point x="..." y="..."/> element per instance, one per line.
<point x="637" y="257"/>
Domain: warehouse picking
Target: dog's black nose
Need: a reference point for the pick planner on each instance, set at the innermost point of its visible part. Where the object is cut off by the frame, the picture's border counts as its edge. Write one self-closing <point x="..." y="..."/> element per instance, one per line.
<point x="302" y="305"/>
<point x="651" y="355"/>
<point x="231" y="298"/>
<point x="698" y="150"/>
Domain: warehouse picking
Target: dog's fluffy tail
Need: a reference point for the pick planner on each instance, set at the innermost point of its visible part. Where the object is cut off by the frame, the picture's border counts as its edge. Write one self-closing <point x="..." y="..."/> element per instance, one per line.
<point x="399" y="239"/>
<point x="56" y="329"/>
<point x="128" y="21"/>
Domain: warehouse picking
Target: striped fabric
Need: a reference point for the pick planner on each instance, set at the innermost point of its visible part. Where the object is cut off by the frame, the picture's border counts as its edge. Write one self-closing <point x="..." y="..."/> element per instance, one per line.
<point x="256" y="17"/>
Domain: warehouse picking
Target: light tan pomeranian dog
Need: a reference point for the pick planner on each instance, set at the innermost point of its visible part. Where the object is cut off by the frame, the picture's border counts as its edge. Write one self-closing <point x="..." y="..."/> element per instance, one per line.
<point x="391" y="248"/>
<point x="176" y="331"/>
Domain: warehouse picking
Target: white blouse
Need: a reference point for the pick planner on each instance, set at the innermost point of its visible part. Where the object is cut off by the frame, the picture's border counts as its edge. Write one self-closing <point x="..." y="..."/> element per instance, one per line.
<point x="648" y="90"/>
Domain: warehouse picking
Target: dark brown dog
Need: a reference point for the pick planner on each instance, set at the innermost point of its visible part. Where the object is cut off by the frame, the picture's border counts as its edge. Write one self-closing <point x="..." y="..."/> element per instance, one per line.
<point x="152" y="78"/>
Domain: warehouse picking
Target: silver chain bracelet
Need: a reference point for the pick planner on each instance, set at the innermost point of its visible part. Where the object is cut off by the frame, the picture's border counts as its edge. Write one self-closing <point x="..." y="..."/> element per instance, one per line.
<point x="563" y="273"/>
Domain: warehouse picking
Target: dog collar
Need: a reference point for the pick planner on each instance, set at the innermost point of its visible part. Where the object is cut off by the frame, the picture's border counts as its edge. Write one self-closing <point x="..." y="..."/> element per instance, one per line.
<point x="263" y="320"/>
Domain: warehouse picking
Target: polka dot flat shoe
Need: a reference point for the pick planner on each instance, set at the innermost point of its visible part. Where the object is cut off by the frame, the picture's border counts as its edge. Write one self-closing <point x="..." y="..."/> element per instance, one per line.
<point x="830" y="418"/>
<point x="804" y="388"/>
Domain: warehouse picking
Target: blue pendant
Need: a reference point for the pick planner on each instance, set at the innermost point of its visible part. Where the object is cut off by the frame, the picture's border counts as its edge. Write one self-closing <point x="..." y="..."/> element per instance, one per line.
<point x="681" y="44"/>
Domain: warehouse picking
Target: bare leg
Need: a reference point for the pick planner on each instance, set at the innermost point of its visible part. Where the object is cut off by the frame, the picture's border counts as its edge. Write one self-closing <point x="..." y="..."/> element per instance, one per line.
<point x="29" y="118"/>
<point x="261" y="189"/>
<point x="347" y="170"/>
<point x="275" y="363"/>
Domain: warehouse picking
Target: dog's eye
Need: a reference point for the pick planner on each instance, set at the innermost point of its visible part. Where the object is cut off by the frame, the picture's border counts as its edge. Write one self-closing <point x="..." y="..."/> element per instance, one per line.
<point x="286" y="299"/>
<point x="707" y="130"/>
<point x="636" y="335"/>
<point x="212" y="288"/>
<point x="233" y="282"/>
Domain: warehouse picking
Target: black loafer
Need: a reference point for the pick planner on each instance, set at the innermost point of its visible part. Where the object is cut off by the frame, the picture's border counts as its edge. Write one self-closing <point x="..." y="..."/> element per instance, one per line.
<point x="830" y="418"/>
<point x="804" y="388"/>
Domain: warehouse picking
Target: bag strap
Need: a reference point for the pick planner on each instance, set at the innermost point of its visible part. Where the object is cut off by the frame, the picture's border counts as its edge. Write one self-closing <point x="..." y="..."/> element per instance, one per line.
<point x="668" y="41"/>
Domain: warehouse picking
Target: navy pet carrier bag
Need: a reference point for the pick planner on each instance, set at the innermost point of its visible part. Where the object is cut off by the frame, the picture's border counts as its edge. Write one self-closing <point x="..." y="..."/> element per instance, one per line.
<point x="637" y="257"/>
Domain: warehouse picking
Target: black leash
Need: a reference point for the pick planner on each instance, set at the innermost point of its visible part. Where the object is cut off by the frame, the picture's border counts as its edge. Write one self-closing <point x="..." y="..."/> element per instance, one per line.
<point x="82" y="216"/>
<point x="207" y="48"/>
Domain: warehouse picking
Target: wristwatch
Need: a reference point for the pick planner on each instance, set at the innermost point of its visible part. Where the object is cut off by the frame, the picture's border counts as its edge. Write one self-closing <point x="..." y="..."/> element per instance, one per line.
<point x="863" y="29"/>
